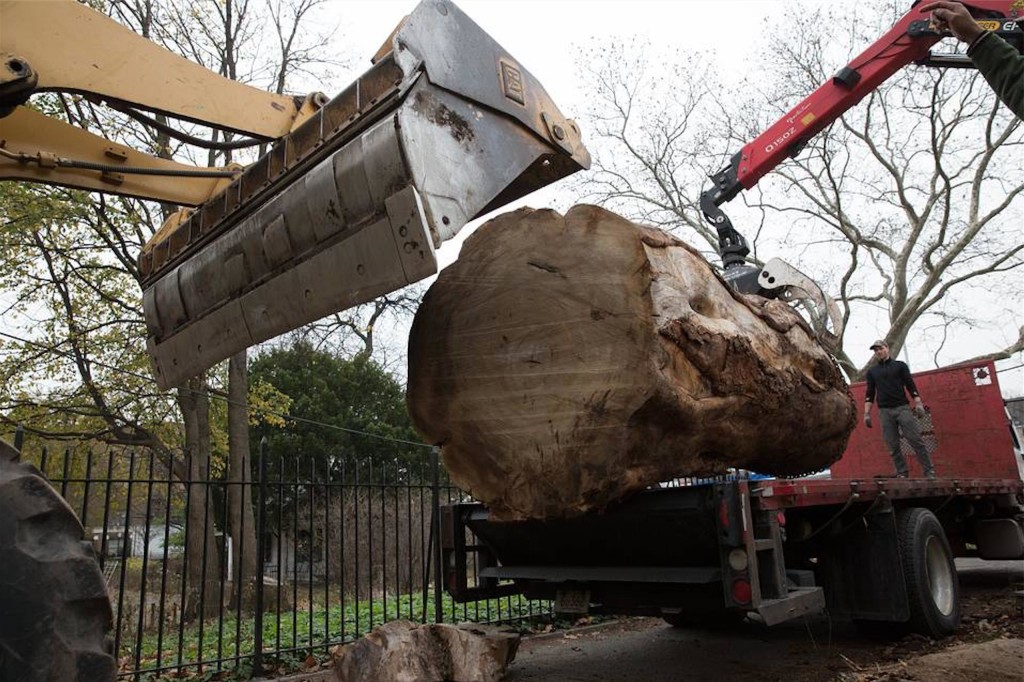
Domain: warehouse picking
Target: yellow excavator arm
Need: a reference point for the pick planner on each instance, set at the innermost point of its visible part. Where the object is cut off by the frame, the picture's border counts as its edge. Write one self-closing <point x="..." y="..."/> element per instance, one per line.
<point x="86" y="52"/>
<point x="351" y="201"/>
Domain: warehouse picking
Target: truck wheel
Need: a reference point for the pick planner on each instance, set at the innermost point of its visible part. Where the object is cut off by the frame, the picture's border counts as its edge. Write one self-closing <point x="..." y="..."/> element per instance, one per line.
<point x="929" y="572"/>
<point x="54" y="608"/>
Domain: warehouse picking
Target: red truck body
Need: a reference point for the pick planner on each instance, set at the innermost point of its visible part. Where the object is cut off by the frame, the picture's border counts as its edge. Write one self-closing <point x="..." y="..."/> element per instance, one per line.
<point x="969" y="422"/>
<point x="967" y="431"/>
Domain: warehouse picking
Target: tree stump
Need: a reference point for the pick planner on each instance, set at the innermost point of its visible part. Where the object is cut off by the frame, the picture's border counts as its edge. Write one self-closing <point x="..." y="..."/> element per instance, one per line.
<point x="565" y="362"/>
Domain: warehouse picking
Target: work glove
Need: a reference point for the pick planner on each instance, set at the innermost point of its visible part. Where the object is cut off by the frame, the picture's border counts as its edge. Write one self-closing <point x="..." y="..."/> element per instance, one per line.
<point x="867" y="419"/>
<point x="919" y="407"/>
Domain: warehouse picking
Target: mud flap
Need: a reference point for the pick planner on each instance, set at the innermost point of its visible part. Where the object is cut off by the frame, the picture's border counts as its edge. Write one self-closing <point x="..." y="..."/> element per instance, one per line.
<point x="572" y="602"/>
<point x="862" y="571"/>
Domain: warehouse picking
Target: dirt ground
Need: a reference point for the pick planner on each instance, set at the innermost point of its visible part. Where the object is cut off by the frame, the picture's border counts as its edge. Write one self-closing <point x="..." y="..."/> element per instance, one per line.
<point x="989" y="646"/>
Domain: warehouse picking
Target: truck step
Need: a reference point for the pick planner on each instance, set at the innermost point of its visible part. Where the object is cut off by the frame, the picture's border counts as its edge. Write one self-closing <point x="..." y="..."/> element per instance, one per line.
<point x="800" y="601"/>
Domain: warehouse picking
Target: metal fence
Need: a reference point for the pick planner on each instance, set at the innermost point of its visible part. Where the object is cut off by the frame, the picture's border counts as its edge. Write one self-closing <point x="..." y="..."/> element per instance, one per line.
<point x="341" y="546"/>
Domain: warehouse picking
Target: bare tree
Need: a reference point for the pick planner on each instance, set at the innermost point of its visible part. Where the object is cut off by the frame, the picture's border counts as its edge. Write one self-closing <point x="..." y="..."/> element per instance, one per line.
<point x="908" y="204"/>
<point x="922" y="182"/>
<point x="356" y="330"/>
<point x="647" y="135"/>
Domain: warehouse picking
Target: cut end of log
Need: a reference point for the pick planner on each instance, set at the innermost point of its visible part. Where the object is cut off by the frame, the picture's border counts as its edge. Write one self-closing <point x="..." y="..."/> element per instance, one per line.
<point x="564" y="362"/>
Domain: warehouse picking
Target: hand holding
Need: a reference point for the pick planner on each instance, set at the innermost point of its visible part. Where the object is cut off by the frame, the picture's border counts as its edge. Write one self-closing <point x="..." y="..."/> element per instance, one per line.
<point x="953" y="17"/>
<point x="919" y="407"/>
<point x="867" y="419"/>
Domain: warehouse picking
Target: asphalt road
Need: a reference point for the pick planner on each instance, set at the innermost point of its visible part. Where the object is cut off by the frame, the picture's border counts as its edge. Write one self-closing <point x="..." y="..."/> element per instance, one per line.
<point x="803" y="651"/>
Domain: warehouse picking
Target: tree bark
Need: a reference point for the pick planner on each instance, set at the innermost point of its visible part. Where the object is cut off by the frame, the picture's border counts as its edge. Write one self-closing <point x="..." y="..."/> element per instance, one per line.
<point x="565" y="362"/>
<point x="200" y="524"/>
<point x="242" y="521"/>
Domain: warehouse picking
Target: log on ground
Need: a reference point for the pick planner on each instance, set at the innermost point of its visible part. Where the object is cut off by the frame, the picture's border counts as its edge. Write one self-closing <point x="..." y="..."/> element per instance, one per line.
<point x="402" y="651"/>
<point x="564" y="362"/>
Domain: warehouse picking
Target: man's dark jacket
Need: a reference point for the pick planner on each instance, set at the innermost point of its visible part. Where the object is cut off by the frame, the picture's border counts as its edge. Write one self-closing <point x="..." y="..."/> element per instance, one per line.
<point x="1003" y="68"/>
<point x="889" y="378"/>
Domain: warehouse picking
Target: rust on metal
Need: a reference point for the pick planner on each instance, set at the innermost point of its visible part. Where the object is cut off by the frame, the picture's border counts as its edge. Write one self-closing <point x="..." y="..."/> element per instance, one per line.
<point x="441" y="115"/>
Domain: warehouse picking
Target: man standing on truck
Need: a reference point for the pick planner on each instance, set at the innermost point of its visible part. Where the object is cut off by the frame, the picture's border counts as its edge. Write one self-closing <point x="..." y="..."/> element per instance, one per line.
<point x="891" y="380"/>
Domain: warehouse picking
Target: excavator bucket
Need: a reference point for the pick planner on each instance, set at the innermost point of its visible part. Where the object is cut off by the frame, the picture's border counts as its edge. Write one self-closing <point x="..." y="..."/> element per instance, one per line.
<point x="351" y="205"/>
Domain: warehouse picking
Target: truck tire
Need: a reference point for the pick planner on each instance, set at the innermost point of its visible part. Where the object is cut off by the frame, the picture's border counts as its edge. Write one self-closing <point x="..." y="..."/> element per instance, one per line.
<point x="929" y="572"/>
<point x="54" y="609"/>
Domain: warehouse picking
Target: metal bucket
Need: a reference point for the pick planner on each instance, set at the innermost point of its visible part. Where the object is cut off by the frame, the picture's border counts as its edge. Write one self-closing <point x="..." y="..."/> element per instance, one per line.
<point x="445" y="127"/>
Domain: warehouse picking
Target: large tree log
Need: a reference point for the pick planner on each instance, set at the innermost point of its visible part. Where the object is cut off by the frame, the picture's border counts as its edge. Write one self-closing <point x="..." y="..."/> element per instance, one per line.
<point x="564" y="362"/>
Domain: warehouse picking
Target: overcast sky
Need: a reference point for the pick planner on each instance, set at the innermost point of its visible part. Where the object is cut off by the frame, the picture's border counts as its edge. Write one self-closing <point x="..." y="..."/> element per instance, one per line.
<point x="541" y="34"/>
<point x="544" y="36"/>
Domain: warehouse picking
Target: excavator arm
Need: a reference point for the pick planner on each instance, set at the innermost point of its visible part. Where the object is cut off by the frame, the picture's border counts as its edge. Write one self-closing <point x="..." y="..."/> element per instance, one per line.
<point x="86" y="52"/>
<point x="909" y="41"/>
<point x="351" y="201"/>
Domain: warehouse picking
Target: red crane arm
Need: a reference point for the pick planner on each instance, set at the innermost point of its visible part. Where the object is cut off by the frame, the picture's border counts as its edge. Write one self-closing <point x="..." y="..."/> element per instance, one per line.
<point x="821" y="108"/>
<point x="908" y="41"/>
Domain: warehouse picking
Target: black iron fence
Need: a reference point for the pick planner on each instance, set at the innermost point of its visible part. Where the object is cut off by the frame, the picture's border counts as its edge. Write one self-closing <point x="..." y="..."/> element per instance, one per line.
<point x="207" y="575"/>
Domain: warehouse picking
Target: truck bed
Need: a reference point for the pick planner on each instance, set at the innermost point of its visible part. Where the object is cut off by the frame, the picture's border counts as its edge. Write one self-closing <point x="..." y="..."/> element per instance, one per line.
<point x="677" y="526"/>
<point x="813" y="492"/>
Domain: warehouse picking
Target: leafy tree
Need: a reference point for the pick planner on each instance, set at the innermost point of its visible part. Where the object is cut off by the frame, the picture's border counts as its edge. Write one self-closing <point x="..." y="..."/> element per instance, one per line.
<point x="341" y="408"/>
<point x="348" y="423"/>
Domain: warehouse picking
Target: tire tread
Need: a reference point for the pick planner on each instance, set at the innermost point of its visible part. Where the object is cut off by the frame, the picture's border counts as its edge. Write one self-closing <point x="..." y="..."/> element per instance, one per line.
<point x="54" y="596"/>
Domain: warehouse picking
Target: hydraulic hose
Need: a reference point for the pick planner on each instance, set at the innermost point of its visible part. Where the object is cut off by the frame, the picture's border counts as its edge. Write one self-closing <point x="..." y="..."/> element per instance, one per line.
<point x="44" y="160"/>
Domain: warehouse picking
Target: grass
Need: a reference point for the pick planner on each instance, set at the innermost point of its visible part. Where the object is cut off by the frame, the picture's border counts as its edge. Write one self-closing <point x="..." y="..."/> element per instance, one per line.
<point x="302" y="637"/>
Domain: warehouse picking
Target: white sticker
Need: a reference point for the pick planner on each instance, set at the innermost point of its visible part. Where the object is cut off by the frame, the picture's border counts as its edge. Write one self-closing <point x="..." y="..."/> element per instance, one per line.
<point x="982" y="377"/>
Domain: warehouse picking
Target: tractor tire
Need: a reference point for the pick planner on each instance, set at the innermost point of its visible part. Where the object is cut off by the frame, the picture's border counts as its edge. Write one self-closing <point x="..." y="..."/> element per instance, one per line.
<point x="929" y="572"/>
<point x="54" y="609"/>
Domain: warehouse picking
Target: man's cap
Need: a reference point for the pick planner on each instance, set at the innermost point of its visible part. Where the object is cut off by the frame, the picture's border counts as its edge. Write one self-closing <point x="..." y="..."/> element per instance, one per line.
<point x="878" y="344"/>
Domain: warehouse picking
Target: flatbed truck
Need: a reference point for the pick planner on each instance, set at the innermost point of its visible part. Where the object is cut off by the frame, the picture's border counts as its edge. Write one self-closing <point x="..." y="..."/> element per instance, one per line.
<point x="855" y="541"/>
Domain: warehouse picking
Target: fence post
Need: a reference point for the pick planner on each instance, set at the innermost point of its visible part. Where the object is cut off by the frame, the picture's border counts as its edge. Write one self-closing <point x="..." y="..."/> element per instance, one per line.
<point x="19" y="440"/>
<point x="435" y="461"/>
<point x="261" y="527"/>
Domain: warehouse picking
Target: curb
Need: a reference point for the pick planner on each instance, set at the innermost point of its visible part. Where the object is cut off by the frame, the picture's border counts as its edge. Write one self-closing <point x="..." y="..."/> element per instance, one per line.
<point x="315" y="676"/>
<point x="577" y="631"/>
